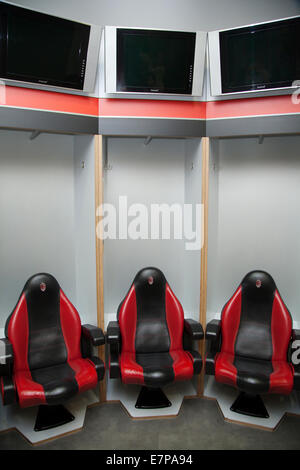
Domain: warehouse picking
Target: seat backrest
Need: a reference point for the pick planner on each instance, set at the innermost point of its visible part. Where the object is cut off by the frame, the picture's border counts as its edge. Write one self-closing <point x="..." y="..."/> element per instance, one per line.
<point x="44" y="328"/>
<point x="255" y="321"/>
<point x="151" y="318"/>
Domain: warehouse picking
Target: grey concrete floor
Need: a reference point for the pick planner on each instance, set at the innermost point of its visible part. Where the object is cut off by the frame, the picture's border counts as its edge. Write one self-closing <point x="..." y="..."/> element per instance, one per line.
<point x="199" y="425"/>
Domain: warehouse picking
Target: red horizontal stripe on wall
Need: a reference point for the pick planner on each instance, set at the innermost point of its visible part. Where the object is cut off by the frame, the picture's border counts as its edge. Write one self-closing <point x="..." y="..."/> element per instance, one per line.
<point x="48" y="100"/>
<point x="152" y="108"/>
<point x="75" y="104"/>
<point x="251" y="107"/>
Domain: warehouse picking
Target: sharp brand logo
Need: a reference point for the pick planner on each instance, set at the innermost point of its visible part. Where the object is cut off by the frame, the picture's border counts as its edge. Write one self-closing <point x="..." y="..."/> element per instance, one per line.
<point x="159" y="222"/>
<point x="296" y="93"/>
<point x="2" y="92"/>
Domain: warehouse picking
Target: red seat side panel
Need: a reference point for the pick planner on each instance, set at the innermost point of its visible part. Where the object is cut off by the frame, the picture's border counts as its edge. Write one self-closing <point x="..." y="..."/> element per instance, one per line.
<point x="30" y="393"/>
<point x="71" y="327"/>
<point x="183" y="365"/>
<point x="230" y="322"/>
<point x="127" y="321"/>
<point x="282" y="378"/>
<point x="131" y="372"/>
<point x="225" y="371"/>
<point x="86" y="375"/>
<point x="18" y="334"/>
<point x="175" y="319"/>
<point x="281" y="327"/>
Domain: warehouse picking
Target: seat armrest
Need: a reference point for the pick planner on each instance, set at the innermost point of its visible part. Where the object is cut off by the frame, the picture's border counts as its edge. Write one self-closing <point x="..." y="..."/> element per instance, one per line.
<point x="6" y="352"/>
<point x="213" y="330"/>
<point x="197" y="361"/>
<point x="193" y="329"/>
<point x="210" y="363"/>
<point x="113" y="337"/>
<point x="93" y="334"/>
<point x="213" y="344"/>
<point x="113" y="334"/>
<point x="99" y="366"/>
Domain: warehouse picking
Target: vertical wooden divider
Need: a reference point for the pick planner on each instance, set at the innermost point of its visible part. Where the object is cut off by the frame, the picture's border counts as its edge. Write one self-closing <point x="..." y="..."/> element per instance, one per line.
<point x="203" y="282"/>
<point x="98" y="143"/>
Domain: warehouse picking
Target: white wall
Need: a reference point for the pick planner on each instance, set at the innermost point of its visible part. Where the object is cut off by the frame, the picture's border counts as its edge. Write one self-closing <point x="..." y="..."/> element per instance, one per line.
<point x="145" y="174"/>
<point x="254" y="217"/>
<point x="164" y="171"/>
<point x="36" y="213"/>
<point x="84" y="227"/>
<point x="47" y="214"/>
<point x="192" y="258"/>
<point x="178" y="14"/>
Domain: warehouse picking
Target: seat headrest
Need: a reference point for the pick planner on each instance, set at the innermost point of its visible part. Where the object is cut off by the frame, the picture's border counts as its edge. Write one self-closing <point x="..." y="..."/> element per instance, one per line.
<point x="149" y="277"/>
<point x="41" y="285"/>
<point x="258" y="285"/>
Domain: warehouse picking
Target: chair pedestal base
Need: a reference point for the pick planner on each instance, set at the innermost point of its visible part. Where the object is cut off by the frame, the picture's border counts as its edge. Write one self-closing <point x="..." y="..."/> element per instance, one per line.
<point x="49" y="417"/>
<point x="250" y="405"/>
<point x="152" y="398"/>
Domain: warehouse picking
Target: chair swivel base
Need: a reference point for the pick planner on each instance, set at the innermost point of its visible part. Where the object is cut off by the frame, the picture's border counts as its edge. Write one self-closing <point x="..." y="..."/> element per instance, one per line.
<point x="250" y="405"/>
<point x="49" y="417"/>
<point x="152" y="398"/>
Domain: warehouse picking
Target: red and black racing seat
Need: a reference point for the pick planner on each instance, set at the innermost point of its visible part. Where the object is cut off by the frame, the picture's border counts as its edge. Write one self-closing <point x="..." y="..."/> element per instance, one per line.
<point x="251" y="343"/>
<point x="48" y="353"/>
<point x="146" y="343"/>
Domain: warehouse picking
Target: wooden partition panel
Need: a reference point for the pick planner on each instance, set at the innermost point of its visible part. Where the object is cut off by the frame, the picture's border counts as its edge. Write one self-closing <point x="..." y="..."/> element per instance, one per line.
<point x="99" y="250"/>
<point x="203" y="278"/>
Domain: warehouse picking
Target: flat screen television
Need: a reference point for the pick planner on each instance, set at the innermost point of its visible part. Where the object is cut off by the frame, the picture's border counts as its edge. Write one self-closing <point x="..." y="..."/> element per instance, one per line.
<point x="153" y="61"/>
<point x="255" y="58"/>
<point x="44" y="49"/>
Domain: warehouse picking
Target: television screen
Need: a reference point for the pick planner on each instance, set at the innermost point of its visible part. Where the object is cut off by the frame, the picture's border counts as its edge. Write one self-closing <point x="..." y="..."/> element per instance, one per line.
<point x="43" y="49"/>
<point x="261" y="56"/>
<point x="153" y="61"/>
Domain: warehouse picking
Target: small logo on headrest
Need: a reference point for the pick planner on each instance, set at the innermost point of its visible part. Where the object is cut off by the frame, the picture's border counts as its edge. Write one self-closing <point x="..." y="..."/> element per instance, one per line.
<point x="150" y="280"/>
<point x="43" y="286"/>
<point x="258" y="283"/>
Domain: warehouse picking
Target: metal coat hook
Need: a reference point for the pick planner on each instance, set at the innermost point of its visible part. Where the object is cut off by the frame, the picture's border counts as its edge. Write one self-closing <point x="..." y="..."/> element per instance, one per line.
<point x="147" y="140"/>
<point x="106" y="165"/>
<point x="34" y="135"/>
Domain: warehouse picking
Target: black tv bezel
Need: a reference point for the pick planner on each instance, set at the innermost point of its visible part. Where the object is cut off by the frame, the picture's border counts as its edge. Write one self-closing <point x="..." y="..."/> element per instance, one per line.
<point x="5" y="10"/>
<point x="121" y="87"/>
<point x="223" y="57"/>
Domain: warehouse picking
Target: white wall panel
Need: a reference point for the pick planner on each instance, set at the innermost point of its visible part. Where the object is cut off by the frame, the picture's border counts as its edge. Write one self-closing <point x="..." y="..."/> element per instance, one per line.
<point x="254" y="219"/>
<point x="36" y="213"/>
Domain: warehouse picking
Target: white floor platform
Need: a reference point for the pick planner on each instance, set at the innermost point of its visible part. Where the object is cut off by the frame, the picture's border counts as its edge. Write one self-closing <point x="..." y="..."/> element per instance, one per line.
<point x="277" y="405"/>
<point x="127" y="395"/>
<point x="24" y="419"/>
